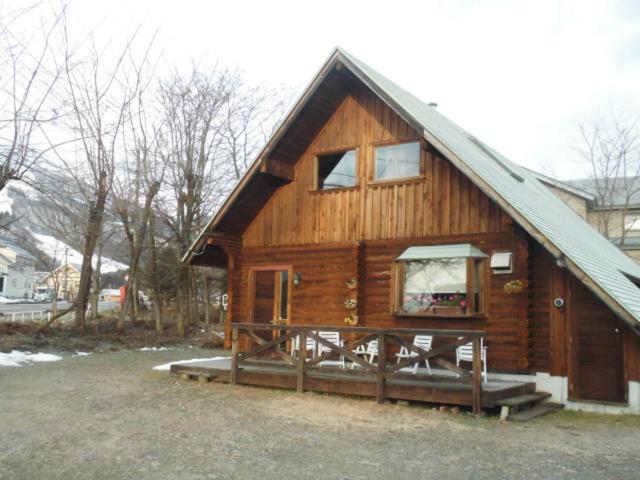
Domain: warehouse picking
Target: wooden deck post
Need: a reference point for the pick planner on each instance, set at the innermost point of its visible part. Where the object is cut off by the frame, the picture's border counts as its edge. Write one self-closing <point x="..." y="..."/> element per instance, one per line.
<point x="382" y="360"/>
<point x="477" y="375"/>
<point x="302" y="356"/>
<point x="233" y="373"/>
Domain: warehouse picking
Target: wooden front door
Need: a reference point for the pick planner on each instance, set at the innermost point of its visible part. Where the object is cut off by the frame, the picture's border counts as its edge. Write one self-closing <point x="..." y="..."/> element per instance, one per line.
<point x="270" y="297"/>
<point x="597" y="368"/>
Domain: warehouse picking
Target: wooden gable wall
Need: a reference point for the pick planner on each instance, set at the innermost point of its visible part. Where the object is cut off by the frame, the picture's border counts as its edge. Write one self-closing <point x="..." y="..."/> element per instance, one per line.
<point x="441" y="202"/>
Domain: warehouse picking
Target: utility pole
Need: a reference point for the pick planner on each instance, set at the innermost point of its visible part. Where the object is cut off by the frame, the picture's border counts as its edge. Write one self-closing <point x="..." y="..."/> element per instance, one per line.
<point x="66" y="271"/>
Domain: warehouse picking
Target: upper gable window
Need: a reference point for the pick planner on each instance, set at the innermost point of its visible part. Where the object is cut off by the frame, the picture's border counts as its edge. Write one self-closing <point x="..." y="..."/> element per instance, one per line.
<point x="337" y="170"/>
<point x="397" y="161"/>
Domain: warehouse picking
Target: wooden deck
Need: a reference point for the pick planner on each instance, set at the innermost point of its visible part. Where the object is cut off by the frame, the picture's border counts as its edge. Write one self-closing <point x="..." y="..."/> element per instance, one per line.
<point x="441" y="387"/>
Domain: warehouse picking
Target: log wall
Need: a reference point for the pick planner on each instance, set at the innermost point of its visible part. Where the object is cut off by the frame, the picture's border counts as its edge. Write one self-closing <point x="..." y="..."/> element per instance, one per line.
<point x="325" y="269"/>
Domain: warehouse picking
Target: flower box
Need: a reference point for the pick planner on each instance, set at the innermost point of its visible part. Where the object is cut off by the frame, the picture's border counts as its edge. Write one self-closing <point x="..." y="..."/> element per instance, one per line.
<point x="446" y="311"/>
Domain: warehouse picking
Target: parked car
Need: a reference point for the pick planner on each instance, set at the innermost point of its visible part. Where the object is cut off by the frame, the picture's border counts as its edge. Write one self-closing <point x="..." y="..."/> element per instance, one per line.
<point x="44" y="294"/>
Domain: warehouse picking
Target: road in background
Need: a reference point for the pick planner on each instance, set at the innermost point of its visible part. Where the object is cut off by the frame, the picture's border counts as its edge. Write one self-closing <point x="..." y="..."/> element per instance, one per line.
<point x="10" y="308"/>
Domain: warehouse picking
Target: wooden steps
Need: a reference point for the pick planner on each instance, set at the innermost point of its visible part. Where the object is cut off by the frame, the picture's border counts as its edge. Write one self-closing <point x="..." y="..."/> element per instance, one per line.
<point x="537" y="411"/>
<point x="201" y="376"/>
<point x="526" y="407"/>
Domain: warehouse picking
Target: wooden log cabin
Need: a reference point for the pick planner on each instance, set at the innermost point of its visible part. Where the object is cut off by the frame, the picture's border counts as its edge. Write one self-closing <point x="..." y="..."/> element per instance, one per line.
<point x="368" y="206"/>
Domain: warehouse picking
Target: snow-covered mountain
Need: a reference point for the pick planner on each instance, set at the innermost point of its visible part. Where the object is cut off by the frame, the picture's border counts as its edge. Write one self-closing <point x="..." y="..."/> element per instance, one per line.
<point x="39" y="225"/>
<point x="62" y="253"/>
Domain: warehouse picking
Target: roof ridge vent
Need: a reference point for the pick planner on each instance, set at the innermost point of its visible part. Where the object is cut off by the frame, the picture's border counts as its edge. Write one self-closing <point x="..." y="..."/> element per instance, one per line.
<point x="486" y="150"/>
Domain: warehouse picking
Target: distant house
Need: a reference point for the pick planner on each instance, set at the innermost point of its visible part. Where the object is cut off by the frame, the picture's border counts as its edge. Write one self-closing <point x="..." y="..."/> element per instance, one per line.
<point x="65" y="280"/>
<point x="17" y="271"/>
<point x="110" y="295"/>
<point x="617" y="217"/>
<point x="370" y="208"/>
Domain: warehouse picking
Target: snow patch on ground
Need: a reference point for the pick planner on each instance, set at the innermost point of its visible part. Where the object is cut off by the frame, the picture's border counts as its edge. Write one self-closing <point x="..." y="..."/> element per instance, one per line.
<point x="81" y="354"/>
<point x="16" y="358"/>
<point x="167" y="366"/>
<point x="153" y="349"/>
<point x="55" y="249"/>
<point x="16" y="300"/>
<point x="9" y="300"/>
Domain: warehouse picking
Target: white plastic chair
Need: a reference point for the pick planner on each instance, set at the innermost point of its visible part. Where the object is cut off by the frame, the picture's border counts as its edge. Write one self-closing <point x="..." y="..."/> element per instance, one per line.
<point x="464" y="353"/>
<point x="370" y="351"/>
<point x="421" y="341"/>
<point x="332" y="337"/>
<point x="295" y="345"/>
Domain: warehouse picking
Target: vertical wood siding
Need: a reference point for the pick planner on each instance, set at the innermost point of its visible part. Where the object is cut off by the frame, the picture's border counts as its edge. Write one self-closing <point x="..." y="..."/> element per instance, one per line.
<point x="441" y="202"/>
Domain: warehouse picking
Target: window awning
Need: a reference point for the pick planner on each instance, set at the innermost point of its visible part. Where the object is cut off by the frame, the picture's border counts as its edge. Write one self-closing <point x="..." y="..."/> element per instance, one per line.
<point x="460" y="250"/>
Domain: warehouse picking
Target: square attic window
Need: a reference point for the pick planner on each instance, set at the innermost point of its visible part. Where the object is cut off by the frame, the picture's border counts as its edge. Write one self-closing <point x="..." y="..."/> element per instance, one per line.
<point x="397" y="161"/>
<point x="337" y="170"/>
<point x="632" y="222"/>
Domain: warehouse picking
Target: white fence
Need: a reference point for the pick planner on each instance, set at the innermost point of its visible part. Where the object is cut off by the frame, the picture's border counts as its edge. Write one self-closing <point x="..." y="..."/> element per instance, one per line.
<point x="22" y="317"/>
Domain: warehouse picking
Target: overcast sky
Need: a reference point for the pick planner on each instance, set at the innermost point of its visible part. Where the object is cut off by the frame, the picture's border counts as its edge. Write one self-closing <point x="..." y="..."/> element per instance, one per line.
<point x="518" y="74"/>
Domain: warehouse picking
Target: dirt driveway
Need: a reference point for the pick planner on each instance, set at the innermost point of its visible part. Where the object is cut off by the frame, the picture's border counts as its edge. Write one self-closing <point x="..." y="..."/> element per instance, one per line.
<point x="111" y="416"/>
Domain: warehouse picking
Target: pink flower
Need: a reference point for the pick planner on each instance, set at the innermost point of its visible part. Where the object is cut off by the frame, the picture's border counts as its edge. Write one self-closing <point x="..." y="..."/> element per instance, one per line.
<point x="463" y="303"/>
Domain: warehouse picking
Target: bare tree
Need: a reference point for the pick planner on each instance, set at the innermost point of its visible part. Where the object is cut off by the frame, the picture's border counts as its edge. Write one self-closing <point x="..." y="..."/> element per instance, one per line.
<point x="610" y="147"/>
<point x="99" y="92"/>
<point x="152" y="276"/>
<point x="31" y="67"/>
<point x="197" y="177"/>
<point x="136" y="185"/>
<point x="250" y="115"/>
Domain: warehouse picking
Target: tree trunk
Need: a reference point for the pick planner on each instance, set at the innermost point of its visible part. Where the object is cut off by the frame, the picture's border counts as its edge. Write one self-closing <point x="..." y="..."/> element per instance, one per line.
<point x="95" y="294"/>
<point x="155" y="287"/>
<point x="207" y="306"/>
<point x="94" y="227"/>
<point x="135" y="300"/>
<point x="54" y="301"/>
<point x="157" y="313"/>
<point x="193" y="296"/>
<point x="181" y="308"/>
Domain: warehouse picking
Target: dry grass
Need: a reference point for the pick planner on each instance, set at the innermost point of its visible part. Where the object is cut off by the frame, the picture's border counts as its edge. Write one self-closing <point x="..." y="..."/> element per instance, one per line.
<point x="101" y="335"/>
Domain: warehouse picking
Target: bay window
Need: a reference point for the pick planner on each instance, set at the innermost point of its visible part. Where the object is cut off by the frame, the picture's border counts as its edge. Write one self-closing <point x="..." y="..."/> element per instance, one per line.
<point x="442" y="280"/>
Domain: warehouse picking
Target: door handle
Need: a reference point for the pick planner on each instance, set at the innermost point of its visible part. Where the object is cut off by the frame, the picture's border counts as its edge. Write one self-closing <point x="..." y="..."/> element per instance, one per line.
<point x="616" y="330"/>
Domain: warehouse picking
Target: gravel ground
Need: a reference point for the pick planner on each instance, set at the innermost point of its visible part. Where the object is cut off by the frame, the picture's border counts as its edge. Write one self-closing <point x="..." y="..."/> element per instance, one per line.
<point x="109" y="415"/>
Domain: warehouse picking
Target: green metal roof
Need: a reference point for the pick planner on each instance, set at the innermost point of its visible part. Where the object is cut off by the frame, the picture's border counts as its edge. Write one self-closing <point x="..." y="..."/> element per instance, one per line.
<point x="460" y="250"/>
<point x="541" y="212"/>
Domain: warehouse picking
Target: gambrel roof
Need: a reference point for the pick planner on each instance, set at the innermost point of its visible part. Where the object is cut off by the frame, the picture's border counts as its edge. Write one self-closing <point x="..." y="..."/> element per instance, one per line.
<point x="602" y="267"/>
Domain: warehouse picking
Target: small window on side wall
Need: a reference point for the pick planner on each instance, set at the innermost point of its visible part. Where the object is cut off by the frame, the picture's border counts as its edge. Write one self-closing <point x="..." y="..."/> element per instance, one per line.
<point x="632" y="223"/>
<point x="397" y="161"/>
<point x="337" y="170"/>
<point x="446" y="281"/>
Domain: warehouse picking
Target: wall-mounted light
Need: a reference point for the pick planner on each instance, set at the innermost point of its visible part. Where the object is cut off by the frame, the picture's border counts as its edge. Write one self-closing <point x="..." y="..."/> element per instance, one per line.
<point x="297" y="278"/>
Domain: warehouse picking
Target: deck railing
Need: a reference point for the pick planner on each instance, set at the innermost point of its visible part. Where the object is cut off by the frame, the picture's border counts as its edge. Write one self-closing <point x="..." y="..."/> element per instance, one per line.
<point x="279" y="336"/>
